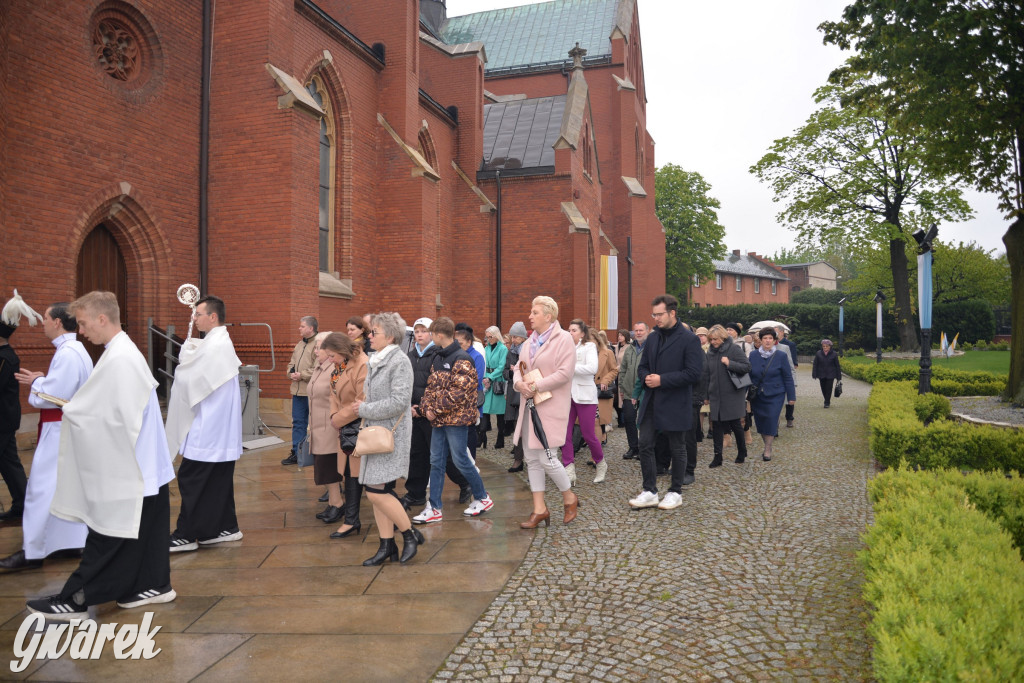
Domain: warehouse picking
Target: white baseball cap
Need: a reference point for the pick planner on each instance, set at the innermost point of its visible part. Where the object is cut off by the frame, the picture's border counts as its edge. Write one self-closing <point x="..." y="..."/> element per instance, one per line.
<point x="426" y="322"/>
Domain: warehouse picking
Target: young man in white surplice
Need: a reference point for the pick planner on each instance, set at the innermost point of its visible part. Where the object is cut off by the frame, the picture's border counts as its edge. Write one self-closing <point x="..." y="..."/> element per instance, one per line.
<point x="44" y="534"/>
<point x="204" y="424"/>
<point x="113" y="468"/>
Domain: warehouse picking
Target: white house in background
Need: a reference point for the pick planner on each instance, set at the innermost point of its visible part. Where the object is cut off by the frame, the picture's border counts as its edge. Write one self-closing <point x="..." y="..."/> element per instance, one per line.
<point x="814" y="274"/>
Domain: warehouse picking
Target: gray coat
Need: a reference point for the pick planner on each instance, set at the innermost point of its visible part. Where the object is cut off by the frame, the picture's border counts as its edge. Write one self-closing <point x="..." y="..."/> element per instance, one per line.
<point x="727" y="402"/>
<point x="388" y="396"/>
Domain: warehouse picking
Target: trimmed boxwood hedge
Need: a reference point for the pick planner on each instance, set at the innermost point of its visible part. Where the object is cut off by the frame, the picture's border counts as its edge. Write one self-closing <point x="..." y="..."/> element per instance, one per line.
<point x="944" y="579"/>
<point x="945" y="381"/>
<point x="897" y="433"/>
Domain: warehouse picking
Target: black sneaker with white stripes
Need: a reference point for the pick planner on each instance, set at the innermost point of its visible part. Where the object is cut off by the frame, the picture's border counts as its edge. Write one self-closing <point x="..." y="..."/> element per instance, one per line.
<point x="223" y="537"/>
<point x="58" y="608"/>
<point x="181" y="545"/>
<point x="153" y="596"/>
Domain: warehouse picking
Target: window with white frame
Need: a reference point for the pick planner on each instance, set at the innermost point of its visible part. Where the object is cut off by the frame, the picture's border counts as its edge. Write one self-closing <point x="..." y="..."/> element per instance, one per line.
<point x="757" y="285"/>
<point x="774" y="289"/>
<point x="718" y="280"/>
<point x="739" y="284"/>
<point x="696" y="280"/>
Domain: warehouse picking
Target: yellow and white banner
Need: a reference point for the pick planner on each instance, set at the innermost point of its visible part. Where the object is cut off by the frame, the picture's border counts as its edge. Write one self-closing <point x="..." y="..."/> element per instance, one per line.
<point x="609" y="293"/>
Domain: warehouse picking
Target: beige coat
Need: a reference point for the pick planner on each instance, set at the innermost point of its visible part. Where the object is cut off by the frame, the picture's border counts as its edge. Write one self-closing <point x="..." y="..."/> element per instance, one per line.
<point x="323" y="437"/>
<point x="350" y="388"/>
<point x="607" y="371"/>
<point x="303" y="361"/>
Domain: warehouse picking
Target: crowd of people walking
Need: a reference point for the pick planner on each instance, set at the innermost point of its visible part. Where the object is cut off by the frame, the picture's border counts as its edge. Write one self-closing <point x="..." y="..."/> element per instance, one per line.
<point x="379" y="403"/>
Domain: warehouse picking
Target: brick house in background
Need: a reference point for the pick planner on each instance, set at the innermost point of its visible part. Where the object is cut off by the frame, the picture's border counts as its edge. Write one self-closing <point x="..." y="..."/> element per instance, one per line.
<point x="814" y="274"/>
<point x="352" y="165"/>
<point x="741" y="279"/>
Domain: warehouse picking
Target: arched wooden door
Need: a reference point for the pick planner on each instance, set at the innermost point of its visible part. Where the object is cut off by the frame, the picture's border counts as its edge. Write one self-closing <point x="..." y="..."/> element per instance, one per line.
<point x="101" y="266"/>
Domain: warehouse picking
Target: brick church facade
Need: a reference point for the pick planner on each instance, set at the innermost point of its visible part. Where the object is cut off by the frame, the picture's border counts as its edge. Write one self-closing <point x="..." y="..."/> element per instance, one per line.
<point x="346" y="157"/>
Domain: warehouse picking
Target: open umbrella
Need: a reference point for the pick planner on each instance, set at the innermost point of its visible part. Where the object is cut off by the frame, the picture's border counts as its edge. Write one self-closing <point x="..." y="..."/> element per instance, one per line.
<point x="769" y="323"/>
<point x="538" y="428"/>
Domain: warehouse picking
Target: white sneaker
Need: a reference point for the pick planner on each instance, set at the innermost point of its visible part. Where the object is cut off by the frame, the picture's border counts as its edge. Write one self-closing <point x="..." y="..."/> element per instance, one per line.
<point x="671" y="501"/>
<point x="571" y="471"/>
<point x="645" y="500"/>
<point x="478" y="507"/>
<point x="602" y="471"/>
<point x="428" y="515"/>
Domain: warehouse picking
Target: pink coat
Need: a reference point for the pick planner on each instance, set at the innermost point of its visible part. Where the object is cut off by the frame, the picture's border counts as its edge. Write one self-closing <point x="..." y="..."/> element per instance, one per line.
<point x="556" y="360"/>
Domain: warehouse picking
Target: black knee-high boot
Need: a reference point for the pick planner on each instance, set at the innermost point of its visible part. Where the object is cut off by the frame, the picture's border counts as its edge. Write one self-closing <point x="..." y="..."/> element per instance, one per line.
<point x="499" y="441"/>
<point x="353" y="494"/>
<point x="388" y="549"/>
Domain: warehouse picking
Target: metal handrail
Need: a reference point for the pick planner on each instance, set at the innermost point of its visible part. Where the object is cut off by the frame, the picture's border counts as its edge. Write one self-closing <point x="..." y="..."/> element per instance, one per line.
<point x="270" y="331"/>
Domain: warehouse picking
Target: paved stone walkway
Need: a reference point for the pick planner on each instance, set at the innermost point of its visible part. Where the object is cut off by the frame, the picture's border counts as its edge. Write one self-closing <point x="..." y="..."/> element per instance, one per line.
<point x="754" y="578"/>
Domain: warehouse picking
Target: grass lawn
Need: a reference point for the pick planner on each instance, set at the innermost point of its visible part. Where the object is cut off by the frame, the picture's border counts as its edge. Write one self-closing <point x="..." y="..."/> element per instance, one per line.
<point x="989" y="361"/>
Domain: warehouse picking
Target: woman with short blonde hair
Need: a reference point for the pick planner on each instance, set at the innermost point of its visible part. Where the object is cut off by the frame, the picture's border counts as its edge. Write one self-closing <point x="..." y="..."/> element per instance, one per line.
<point x="495" y="353"/>
<point x="548" y="305"/>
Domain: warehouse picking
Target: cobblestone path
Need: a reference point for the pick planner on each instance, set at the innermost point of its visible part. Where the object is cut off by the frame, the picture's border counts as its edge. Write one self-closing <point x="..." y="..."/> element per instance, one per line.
<point x="754" y="578"/>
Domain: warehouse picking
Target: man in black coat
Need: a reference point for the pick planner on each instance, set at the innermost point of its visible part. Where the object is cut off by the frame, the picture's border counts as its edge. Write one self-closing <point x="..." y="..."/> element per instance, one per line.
<point x="669" y="368"/>
<point x="422" y="356"/>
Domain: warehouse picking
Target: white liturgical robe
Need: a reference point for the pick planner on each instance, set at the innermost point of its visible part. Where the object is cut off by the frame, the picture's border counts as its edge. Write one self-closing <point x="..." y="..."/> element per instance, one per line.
<point x="204" y="414"/>
<point x="44" y="533"/>
<point x="113" y="450"/>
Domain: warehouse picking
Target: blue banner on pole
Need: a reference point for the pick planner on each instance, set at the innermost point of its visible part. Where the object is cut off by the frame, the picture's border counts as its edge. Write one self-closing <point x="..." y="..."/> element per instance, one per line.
<point x="924" y="289"/>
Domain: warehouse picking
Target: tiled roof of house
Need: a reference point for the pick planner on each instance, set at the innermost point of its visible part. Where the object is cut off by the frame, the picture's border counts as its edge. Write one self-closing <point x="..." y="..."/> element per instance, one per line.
<point x="537" y="34"/>
<point x="519" y="134"/>
<point x="746" y="265"/>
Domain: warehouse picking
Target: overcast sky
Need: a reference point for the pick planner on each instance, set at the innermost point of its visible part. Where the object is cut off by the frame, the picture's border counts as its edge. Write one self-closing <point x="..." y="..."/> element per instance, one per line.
<point x="724" y="80"/>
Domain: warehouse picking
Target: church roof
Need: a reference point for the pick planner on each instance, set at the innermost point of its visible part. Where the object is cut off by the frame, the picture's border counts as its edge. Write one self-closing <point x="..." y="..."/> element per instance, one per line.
<point x="520" y="134"/>
<point x="538" y="34"/>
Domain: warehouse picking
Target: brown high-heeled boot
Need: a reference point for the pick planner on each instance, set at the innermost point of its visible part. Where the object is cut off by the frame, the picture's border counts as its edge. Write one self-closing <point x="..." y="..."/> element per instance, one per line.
<point x="534" y="521"/>
<point x="570" y="510"/>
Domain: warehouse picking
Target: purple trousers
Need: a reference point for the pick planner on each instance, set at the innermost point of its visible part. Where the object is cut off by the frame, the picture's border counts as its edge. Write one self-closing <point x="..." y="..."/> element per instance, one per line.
<point x="587" y="414"/>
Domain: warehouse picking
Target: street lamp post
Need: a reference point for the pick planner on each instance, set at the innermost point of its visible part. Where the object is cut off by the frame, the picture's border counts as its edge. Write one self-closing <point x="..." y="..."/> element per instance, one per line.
<point x="924" y="303"/>
<point x="879" y="300"/>
<point x="841" y="302"/>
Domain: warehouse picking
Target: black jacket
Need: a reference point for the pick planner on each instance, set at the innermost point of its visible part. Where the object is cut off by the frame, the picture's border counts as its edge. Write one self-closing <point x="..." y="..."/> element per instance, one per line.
<point x="675" y="355"/>
<point x="10" y="402"/>
<point x="826" y="366"/>
<point x="421" y="371"/>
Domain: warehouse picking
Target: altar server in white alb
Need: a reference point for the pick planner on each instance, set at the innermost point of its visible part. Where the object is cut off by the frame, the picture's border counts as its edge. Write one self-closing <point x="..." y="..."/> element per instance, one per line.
<point x="70" y="366"/>
<point x="112" y="473"/>
<point x="204" y="423"/>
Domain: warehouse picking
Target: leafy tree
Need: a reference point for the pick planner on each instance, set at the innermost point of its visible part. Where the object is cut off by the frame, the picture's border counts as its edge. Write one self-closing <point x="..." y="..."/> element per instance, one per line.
<point x="850" y="176"/>
<point x="955" y="69"/>
<point x="693" y="235"/>
<point x="960" y="272"/>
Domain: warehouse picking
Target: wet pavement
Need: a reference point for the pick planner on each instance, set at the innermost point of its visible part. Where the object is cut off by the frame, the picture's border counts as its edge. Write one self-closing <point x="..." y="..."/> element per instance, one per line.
<point x="753" y="578"/>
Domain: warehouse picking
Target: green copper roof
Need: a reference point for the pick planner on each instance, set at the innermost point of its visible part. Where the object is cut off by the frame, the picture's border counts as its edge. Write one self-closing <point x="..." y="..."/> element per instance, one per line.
<point x="536" y="34"/>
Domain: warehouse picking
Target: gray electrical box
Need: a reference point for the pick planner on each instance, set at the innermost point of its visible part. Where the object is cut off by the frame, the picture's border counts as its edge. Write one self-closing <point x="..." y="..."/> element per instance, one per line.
<point x="249" y="387"/>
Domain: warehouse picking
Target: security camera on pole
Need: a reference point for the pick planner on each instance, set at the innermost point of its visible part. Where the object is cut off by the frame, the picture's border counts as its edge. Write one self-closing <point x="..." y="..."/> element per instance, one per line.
<point x="924" y="303"/>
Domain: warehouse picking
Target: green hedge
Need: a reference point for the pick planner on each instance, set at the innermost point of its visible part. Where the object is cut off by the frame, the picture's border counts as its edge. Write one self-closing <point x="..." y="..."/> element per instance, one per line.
<point x="944" y="581"/>
<point x="897" y="433"/>
<point x="811" y="322"/>
<point x="945" y="381"/>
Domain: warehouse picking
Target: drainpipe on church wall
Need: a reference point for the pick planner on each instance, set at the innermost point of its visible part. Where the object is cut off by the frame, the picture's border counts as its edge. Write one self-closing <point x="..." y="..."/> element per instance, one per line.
<point x="204" y="147"/>
<point x="497" y="253"/>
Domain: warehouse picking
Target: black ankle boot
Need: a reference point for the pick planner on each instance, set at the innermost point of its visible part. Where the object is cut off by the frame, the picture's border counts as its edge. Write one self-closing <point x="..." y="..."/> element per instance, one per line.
<point x="387" y="549"/>
<point x="716" y="461"/>
<point x="410" y="546"/>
